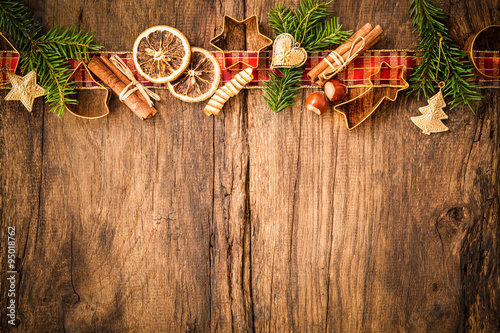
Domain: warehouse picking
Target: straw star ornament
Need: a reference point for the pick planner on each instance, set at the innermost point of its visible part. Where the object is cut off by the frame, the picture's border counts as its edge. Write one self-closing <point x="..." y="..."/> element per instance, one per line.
<point x="24" y="89"/>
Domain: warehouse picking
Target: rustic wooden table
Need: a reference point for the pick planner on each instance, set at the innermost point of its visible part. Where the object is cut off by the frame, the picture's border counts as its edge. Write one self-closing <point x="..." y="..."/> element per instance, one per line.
<point x="251" y="221"/>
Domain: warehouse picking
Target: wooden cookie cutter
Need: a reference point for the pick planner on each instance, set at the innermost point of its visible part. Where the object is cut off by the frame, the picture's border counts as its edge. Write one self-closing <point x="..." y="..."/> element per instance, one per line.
<point x="354" y="110"/>
<point x="97" y="86"/>
<point x="257" y="42"/>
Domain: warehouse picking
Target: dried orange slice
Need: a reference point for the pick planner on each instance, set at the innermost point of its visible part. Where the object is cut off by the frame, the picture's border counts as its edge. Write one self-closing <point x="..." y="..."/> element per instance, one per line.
<point x="200" y="80"/>
<point x="161" y="54"/>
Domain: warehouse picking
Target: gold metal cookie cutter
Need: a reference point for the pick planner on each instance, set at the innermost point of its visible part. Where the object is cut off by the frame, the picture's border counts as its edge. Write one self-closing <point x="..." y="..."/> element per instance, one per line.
<point x="354" y="119"/>
<point x="98" y="86"/>
<point x="254" y="39"/>
<point x="469" y="47"/>
<point x="13" y="55"/>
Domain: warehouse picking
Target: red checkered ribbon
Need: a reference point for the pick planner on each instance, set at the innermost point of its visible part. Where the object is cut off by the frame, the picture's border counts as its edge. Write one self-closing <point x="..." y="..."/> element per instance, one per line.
<point x="8" y="61"/>
<point x="488" y="63"/>
<point x="356" y="74"/>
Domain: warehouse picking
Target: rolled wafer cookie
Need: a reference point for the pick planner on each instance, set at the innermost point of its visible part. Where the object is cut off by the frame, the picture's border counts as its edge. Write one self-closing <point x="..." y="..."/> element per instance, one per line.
<point x="227" y="91"/>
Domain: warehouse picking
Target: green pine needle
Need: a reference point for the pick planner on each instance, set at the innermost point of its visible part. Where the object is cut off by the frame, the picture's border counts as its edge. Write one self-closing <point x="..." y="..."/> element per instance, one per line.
<point x="280" y="19"/>
<point x="310" y="29"/>
<point x="453" y="67"/>
<point x="17" y="22"/>
<point x="326" y="34"/>
<point x="47" y="54"/>
<point x="67" y="43"/>
<point x="283" y="88"/>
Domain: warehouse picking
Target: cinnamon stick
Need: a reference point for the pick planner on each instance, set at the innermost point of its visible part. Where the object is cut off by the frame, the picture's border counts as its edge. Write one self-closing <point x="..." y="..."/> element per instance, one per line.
<point x="105" y="60"/>
<point x="370" y="40"/>
<point x="319" y="68"/>
<point x="368" y="44"/>
<point x="104" y="70"/>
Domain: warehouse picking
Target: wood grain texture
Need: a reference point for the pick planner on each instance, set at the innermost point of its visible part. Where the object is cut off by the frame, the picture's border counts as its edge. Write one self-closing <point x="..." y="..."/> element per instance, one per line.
<point x="251" y="221"/>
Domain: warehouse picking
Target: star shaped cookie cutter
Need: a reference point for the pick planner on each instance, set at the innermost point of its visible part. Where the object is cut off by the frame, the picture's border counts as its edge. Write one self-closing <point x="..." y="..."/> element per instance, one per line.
<point x="353" y="119"/>
<point x="231" y="30"/>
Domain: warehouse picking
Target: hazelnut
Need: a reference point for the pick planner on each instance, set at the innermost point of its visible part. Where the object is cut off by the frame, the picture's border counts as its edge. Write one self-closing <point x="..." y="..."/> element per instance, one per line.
<point x="335" y="90"/>
<point x="317" y="102"/>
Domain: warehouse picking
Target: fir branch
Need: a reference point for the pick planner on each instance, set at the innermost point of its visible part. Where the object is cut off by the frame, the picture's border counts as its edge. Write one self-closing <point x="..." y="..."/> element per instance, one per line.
<point x="446" y="63"/>
<point x="54" y="80"/>
<point x="326" y="34"/>
<point x="308" y="16"/>
<point x="308" y="26"/>
<point x="47" y="54"/>
<point x="279" y="19"/>
<point x="67" y="43"/>
<point x="283" y="88"/>
<point x="53" y="73"/>
<point x="17" y="22"/>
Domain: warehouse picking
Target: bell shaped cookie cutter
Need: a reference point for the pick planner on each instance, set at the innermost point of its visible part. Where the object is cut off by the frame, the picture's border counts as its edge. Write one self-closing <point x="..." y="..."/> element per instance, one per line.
<point x="236" y="30"/>
<point x="83" y="70"/>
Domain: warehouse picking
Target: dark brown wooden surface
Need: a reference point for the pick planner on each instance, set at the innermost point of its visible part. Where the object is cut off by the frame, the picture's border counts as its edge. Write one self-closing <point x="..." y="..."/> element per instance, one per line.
<point x="251" y="221"/>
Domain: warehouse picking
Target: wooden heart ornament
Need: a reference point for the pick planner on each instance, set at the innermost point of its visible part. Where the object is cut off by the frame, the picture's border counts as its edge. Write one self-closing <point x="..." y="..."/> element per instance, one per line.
<point x="286" y="54"/>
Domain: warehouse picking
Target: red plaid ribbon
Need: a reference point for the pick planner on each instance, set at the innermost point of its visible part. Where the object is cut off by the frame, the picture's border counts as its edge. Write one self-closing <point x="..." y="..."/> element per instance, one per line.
<point x="8" y="61"/>
<point x="356" y="74"/>
<point x="488" y="63"/>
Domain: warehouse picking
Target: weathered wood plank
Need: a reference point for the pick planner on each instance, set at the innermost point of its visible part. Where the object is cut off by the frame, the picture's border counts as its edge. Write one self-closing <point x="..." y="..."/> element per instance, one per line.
<point x="355" y="218"/>
<point x="251" y="221"/>
<point x="123" y="237"/>
<point x="231" y="304"/>
<point x="20" y="178"/>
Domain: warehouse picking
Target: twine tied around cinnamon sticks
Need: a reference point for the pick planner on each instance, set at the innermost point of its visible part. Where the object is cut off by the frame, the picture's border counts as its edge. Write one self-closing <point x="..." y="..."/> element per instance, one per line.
<point x="339" y="60"/>
<point x="137" y="86"/>
<point x="106" y="70"/>
<point x="342" y="56"/>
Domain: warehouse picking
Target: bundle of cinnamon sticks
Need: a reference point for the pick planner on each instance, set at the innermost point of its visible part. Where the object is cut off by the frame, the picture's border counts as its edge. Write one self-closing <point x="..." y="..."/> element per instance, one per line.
<point x="105" y="70"/>
<point x="363" y="40"/>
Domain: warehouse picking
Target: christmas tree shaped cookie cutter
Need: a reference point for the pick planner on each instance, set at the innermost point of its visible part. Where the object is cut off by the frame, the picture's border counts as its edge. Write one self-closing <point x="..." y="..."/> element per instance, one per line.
<point x="354" y="110"/>
<point x="247" y="32"/>
<point x="83" y="74"/>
